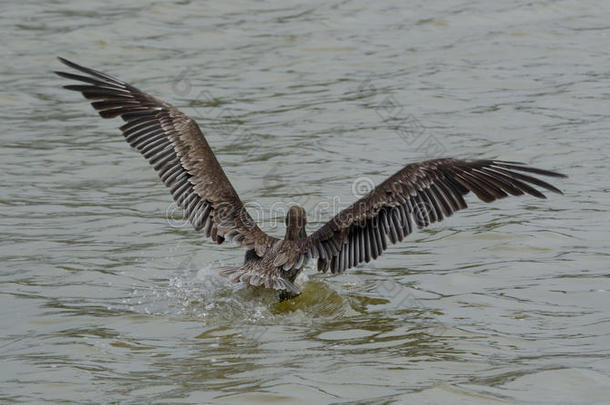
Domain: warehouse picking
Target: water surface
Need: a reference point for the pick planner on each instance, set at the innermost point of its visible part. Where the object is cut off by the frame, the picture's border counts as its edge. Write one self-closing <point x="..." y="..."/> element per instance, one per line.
<point x="107" y="296"/>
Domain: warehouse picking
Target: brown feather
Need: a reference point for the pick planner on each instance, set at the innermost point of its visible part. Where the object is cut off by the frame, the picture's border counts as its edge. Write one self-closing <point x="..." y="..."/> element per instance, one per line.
<point x="174" y="145"/>
<point x="425" y="192"/>
<point x="177" y="149"/>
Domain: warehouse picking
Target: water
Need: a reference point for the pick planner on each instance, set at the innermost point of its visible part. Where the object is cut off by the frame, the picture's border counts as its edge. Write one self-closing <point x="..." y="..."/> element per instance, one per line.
<point x="106" y="296"/>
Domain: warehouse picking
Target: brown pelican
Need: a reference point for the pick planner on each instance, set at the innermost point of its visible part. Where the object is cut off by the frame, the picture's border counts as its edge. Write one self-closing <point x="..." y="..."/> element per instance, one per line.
<point x="416" y="196"/>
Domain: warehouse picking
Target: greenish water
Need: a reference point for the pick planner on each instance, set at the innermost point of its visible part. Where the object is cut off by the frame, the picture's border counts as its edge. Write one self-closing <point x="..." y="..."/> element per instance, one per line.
<point x="106" y="296"/>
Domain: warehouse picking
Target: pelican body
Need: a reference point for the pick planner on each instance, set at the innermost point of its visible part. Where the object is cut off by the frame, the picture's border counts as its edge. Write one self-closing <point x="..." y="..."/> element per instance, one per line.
<point x="416" y="196"/>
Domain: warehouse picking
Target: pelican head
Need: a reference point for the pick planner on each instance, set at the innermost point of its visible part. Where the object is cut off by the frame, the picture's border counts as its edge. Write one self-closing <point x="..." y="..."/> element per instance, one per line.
<point x="295" y="223"/>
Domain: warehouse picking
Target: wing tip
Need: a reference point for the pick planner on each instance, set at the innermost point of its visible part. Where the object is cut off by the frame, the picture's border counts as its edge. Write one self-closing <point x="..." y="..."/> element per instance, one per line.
<point x="527" y="168"/>
<point x="92" y="72"/>
<point x="68" y="62"/>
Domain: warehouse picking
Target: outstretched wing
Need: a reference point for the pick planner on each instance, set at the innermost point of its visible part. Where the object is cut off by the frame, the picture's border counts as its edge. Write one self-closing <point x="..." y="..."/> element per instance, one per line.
<point x="176" y="148"/>
<point x="418" y="195"/>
